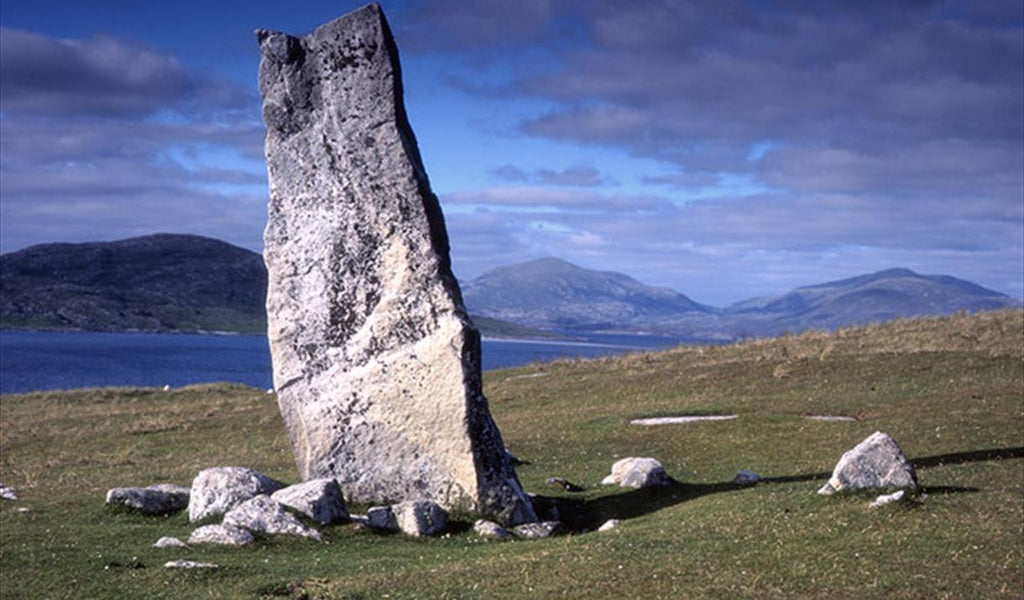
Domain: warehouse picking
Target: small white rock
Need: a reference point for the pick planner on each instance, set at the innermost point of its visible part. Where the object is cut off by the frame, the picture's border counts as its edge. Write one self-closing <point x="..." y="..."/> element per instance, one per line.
<point x="8" y="493"/>
<point x="609" y="525"/>
<point x="169" y="542"/>
<point x="485" y="528"/>
<point x="189" y="564"/>
<point x="887" y="499"/>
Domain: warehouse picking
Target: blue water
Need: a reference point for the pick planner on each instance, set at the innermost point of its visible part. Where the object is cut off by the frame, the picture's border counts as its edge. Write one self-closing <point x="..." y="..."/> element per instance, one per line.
<point x="66" y="360"/>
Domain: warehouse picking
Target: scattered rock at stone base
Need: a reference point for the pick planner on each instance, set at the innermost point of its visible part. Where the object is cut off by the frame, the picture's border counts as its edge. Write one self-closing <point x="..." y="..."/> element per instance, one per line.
<point x="159" y="499"/>
<point x="542" y="529"/>
<point x="169" y="542"/>
<point x="381" y="518"/>
<point x="746" y="478"/>
<point x="189" y="564"/>
<point x="262" y="514"/>
<point x="217" y="490"/>
<point x="877" y="462"/>
<point x="420" y="518"/>
<point x="221" y="534"/>
<point x="490" y="529"/>
<point x="887" y="499"/>
<point x="376" y="361"/>
<point x="634" y="472"/>
<point x="563" y="483"/>
<point x="609" y="525"/>
<point x="8" y="493"/>
<point x="318" y="499"/>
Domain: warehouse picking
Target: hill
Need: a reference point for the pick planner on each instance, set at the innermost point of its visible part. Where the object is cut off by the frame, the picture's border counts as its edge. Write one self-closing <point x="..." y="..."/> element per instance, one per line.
<point x="550" y="293"/>
<point x="162" y="282"/>
<point x="877" y="297"/>
<point x="159" y="282"/>
<point x="947" y="390"/>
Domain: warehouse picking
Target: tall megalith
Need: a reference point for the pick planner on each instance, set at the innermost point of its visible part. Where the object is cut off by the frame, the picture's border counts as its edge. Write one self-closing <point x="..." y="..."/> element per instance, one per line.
<point x="376" y="363"/>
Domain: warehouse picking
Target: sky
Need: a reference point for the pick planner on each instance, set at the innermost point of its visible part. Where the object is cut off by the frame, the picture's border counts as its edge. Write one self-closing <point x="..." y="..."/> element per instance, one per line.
<point x="725" y="149"/>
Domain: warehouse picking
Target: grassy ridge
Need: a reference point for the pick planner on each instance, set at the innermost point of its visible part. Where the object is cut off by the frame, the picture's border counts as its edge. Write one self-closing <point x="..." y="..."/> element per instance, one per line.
<point x="950" y="391"/>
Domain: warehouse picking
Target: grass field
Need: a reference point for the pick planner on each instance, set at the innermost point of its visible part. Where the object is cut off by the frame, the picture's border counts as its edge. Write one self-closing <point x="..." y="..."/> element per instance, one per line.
<point x="950" y="391"/>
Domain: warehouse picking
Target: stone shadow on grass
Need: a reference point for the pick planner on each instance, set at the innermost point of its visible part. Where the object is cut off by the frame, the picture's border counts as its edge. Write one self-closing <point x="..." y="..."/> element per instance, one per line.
<point x="588" y="515"/>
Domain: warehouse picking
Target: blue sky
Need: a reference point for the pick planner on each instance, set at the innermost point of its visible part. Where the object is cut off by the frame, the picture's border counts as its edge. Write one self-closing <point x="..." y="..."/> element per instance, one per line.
<point x="725" y="149"/>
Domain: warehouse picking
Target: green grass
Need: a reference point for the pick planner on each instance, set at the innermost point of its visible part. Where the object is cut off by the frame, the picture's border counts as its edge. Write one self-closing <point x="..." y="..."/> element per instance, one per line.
<point x="950" y="391"/>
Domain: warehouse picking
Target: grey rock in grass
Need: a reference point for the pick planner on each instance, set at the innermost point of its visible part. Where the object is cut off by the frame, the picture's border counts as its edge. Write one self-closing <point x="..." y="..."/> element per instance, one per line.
<point x="219" y="489"/>
<point x="490" y="529"/>
<point x="169" y="542"/>
<point x="888" y="498"/>
<point x="420" y="518"/>
<point x="609" y="525"/>
<point x="8" y="493"/>
<point x="221" y="534"/>
<point x="381" y="518"/>
<point x="318" y="499"/>
<point x="542" y="529"/>
<point x="634" y="472"/>
<point x="376" y="363"/>
<point x="189" y="564"/>
<point x="264" y="515"/>
<point x="876" y="462"/>
<point x="159" y="499"/>
<point x="746" y="478"/>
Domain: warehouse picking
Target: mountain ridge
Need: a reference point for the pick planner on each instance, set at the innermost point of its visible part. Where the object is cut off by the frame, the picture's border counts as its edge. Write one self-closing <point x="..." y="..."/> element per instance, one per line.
<point x="179" y="282"/>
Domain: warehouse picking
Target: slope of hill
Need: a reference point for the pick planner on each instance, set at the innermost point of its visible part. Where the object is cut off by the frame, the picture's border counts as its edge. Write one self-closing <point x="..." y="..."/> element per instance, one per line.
<point x="160" y="282"/>
<point x="550" y="293"/>
<point x="876" y="297"/>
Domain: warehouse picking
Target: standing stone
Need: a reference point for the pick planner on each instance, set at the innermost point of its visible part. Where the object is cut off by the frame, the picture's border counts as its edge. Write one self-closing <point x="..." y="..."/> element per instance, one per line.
<point x="376" y="363"/>
<point x="877" y="462"/>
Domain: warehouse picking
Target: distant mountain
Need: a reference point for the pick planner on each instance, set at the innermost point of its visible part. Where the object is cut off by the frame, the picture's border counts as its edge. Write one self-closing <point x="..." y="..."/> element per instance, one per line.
<point x="162" y="282"/>
<point x="550" y="293"/>
<point x="159" y="282"/>
<point x="876" y="297"/>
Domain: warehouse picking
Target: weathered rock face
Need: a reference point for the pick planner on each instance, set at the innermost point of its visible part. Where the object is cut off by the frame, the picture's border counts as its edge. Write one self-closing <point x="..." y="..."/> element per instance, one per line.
<point x="376" y="364"/>
<point x="219" y="489"/>
<point x="262" y="514"/>
<point x="876" y="462"/>
<point x="318" y="499"/>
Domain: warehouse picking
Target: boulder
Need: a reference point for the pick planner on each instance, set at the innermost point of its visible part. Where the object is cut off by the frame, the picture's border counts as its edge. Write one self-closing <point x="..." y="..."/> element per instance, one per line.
<point x="485" y="528"/>
<point x="542" y="529"/>
<point x="877" y="462"/>
<point x="420" y="518"/>
<point x="221" y="534"/>
<point x="219" y="489"/>
<point x="381" y="518"/>
<point x="159" y="499"/>
<point x="318" y="499"/>
<point x="262" y="514"/>
<point x="637" y="473"/>
<point x="169" y="542"/>
<point x="376" y="363"/>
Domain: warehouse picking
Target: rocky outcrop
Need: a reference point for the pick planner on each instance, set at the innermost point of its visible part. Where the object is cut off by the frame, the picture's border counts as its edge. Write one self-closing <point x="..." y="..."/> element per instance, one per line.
<point x="219" y="489"/>
<point x="318" y="499"/>
<point x="877" y="462"/>
<point x="376" y="363"/>
<point x="159" y="499"/>
<point x="634" y="472"/>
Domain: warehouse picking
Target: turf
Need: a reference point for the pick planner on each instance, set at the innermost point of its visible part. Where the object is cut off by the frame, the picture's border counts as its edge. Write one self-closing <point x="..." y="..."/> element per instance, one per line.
<point x="950" y="391"/>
